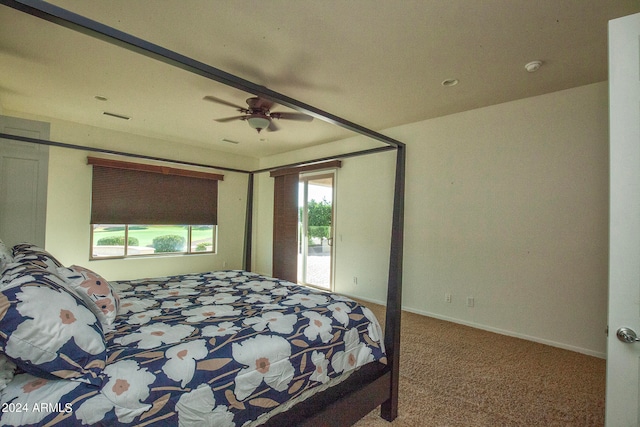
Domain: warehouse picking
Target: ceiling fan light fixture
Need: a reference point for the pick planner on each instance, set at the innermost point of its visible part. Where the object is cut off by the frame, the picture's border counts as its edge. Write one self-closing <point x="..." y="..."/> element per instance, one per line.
<point x="258" y="122"/>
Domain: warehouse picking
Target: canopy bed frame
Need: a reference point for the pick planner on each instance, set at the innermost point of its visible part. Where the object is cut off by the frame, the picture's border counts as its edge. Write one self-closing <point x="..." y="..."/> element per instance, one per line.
<point x="377" y="385"/>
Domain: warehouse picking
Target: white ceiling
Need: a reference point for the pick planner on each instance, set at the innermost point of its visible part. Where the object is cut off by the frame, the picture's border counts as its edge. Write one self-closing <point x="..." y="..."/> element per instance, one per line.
<point x="377" y="63"/>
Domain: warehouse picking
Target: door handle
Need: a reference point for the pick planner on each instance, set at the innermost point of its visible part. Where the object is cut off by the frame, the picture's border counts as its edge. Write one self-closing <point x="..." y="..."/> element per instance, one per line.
<point x="627" y="335"/>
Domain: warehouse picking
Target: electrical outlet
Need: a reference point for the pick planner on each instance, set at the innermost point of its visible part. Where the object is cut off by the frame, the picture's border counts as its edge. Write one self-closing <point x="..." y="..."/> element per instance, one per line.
<point x="355" y="280"/>
<point x="470" y="301"/>
<point x="447" y="298"/>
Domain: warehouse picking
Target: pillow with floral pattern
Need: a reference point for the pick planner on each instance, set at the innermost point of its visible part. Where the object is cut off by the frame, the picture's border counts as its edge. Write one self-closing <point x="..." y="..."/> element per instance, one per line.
<point x="5" y="256"/>
<point x="16" y="273"/>
<point x="28" y="253"/>
<point x="49" y="332"/>
<point x="94" y="290"/>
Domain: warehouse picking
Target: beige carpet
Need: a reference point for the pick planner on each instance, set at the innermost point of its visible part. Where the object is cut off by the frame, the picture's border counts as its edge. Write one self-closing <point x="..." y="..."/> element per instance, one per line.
<point x="454" y="375"/>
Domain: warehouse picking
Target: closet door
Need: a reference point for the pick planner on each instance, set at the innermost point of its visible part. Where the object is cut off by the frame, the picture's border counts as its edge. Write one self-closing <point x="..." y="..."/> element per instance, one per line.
<point x="23" y="182"/>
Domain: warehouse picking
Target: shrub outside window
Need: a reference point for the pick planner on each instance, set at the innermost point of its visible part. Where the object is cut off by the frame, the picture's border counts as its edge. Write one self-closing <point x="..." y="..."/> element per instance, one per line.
<point x="108" y="240"/>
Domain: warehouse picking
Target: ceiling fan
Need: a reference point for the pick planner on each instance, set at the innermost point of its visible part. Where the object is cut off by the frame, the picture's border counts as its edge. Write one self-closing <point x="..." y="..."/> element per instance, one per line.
<point x="258" y="113"/>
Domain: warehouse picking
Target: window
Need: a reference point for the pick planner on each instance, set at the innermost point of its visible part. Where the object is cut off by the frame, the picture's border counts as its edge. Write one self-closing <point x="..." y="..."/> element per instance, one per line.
<point x="139" y="210"/>
<point x="108" y="240"/>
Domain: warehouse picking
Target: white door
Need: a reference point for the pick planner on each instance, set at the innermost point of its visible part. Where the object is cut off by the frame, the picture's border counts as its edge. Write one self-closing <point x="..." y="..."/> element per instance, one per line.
<point x="23" y="182"/>
<point x="623" y="359"/>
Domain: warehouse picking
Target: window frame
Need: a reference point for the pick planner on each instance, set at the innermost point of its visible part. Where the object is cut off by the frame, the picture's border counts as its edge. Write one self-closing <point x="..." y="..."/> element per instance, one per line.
<point x="126" y="255"/>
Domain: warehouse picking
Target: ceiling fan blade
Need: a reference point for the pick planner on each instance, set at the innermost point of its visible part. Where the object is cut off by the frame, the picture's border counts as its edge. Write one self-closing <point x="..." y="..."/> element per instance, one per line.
<point x="272" y="127"/>
<point x="222" y="101"/>
<point x="229" y="119"/>
<point x="292" y="116"/>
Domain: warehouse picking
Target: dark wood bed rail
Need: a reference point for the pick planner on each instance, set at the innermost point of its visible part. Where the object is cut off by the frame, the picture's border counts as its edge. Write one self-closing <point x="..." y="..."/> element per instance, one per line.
<point x="374" y="384"/>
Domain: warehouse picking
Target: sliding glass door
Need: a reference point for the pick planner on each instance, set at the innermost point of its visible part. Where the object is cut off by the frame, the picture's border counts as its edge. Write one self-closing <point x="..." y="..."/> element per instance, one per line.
<point x="315" y="225"/>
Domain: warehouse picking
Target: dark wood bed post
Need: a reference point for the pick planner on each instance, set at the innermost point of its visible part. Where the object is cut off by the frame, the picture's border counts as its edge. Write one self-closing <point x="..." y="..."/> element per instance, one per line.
<point x="389" y="409"/>
<point x="248" y="226"/>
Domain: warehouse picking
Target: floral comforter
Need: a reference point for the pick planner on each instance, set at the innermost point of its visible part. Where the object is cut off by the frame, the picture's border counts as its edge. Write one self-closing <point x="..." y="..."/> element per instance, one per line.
<point x="216" y="349"/>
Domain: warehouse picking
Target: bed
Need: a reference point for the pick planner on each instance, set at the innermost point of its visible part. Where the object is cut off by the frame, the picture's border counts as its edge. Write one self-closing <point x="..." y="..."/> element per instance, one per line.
<point x="222" y="348"/>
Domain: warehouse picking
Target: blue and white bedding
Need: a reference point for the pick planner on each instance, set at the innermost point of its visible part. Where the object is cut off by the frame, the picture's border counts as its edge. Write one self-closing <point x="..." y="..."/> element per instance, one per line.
<point x="222" y="348"/>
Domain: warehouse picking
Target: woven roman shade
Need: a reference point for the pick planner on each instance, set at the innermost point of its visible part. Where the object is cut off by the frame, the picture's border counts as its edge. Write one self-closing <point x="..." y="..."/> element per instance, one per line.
<point x="285" y="227"/>
<point x="131" y="193"/>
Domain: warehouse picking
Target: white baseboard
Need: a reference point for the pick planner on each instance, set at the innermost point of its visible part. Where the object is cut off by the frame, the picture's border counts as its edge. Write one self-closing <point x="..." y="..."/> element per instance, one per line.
<point x="492" y="329"/>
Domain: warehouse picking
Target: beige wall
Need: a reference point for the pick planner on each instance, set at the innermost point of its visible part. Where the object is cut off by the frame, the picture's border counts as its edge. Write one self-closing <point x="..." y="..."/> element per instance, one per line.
<point x="506" y="204"/>
<point x="509" y="205"/>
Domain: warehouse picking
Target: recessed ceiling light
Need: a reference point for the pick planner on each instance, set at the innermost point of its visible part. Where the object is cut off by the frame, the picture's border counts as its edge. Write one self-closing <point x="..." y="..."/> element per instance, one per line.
<point x="533" y="66"/>
<point x="450" y="82"/>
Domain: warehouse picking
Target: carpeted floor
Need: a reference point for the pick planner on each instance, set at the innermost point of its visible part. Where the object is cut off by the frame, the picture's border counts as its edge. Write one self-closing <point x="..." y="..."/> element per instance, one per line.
<point x="454" y="375"/>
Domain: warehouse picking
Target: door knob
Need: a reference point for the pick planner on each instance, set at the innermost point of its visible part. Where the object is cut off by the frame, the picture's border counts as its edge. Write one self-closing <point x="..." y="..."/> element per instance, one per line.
<point x="627" y="335"/>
